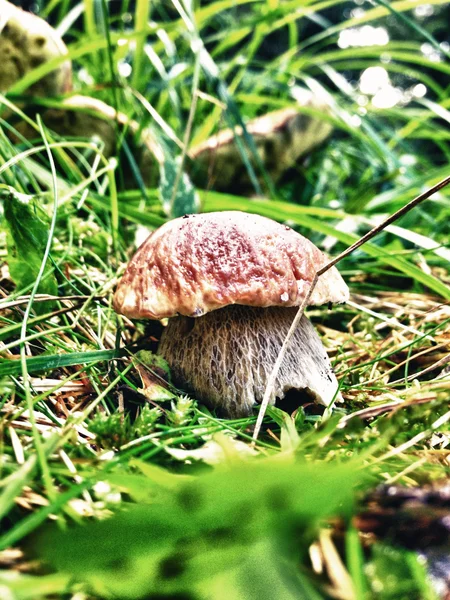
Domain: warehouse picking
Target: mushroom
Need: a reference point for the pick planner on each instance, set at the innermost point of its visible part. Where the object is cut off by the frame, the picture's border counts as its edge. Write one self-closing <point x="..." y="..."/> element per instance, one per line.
<point x="230" y="282"/>
<point x="27" y="41"/>
<point x="281" y="137"/>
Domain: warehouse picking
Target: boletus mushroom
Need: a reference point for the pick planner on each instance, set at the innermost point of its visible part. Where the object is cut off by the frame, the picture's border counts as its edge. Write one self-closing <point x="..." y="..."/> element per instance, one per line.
<point x="229" y="283"/>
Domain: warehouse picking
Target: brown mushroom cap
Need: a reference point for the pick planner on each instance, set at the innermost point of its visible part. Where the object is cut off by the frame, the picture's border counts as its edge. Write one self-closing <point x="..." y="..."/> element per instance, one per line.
<point x="199" y="263"/>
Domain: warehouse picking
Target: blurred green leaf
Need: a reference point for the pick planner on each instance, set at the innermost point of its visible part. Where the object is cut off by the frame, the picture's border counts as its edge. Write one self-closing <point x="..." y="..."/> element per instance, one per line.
<point x="241" y="529"/>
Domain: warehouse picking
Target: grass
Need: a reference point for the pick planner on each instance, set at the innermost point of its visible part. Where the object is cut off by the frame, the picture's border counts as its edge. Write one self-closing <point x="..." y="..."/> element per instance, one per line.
<point x="114" y="485"/>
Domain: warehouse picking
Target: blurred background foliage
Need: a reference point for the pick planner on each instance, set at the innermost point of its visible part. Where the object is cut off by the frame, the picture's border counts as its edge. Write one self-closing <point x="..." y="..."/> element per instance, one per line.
<point x="155" y="496"/>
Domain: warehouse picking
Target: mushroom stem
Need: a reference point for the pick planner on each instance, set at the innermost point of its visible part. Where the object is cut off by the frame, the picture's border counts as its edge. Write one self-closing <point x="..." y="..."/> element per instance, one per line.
<point x="226" y="357"/>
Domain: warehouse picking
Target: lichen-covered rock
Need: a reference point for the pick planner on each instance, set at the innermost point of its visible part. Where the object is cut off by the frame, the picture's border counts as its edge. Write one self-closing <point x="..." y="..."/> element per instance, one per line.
<point x="26" y="42"/>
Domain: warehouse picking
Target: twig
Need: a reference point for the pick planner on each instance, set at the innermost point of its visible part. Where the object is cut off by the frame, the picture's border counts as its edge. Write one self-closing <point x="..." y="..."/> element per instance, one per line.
<point x="365" y="238"/>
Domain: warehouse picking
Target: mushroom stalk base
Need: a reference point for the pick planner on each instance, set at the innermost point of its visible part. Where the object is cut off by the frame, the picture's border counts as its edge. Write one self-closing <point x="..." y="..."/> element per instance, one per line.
<point x="226" y="356"/>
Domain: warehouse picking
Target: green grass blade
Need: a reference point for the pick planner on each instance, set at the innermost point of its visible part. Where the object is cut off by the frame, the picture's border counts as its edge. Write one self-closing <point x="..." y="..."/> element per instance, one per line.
<point x="141" y="16"/>
<point x="36" y="364"/>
